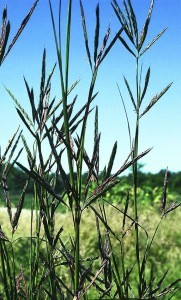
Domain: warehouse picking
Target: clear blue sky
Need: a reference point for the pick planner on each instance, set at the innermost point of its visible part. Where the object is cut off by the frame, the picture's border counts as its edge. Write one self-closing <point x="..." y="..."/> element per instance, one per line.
<point x="160" y="128"/>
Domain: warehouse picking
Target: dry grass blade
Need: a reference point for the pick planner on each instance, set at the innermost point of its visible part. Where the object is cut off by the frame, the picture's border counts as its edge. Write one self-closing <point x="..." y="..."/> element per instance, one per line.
<point x="155" y="99"/>
<point x="23" y="24"/>
<point x="144" y="31"/>
<point x="147" y="78"/>
<point x="85" y="33"/>
<point x="152" y="42"/>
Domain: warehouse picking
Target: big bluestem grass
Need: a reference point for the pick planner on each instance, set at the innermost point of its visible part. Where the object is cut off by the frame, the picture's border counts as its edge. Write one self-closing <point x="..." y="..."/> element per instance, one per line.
<point x="56" y="268"/>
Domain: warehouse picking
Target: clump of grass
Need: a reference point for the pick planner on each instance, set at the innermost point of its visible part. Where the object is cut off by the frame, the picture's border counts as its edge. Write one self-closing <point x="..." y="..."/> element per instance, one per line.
<point x="58" y="265"/>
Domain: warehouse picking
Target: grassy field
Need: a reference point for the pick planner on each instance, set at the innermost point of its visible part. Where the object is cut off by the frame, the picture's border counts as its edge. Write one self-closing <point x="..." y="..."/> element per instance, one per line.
<point x="165" y="253"/>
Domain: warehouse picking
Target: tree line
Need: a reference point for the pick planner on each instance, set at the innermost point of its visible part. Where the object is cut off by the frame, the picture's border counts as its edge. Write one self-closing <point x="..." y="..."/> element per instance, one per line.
<point x="17" y="178"/>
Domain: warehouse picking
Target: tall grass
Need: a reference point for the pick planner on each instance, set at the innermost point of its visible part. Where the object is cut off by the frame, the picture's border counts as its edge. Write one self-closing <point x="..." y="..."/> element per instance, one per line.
<point x="57" y="269"/>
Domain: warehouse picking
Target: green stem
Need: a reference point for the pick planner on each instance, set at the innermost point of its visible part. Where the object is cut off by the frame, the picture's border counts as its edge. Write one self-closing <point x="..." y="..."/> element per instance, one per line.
<point x="79" y="185"/>
<point x="77" y="247"/>
<point x="135" y="172"/>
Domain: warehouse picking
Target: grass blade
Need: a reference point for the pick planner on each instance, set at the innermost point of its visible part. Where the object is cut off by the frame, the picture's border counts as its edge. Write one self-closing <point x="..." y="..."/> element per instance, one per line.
<point x="126" y="46"/>
<point x="155" y="99"/>
<point x="20" y="108"/>
<point x="144" y="31"/>
<point x="32" y="102"/>
<point x="17" y="214"/>
<point x="10" y="142"/>
<point x="112" y="43"/>
<point x="123" y="21"/>
<point x="85" y="33"/>
<point x="111" y="161"/>
<point x="127" y="119"/>
<point x="96" y="38"/>
<point x="133" y="21"/>
<point x="147" y="78"/>
<point x="25" y="122"/>
<point x="5" y="30"/>
<point x="23" y="24"/>
<point x="130" y="93"/>
<point x="153" y="41"/>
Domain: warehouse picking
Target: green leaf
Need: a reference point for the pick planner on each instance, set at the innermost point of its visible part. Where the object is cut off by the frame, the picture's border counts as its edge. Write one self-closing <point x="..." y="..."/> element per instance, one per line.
<point x="111" y="161"/>
<point x="25" y="122"/>
<point x="41" y="181"/>
<point x="147" y="78"/>
<point x="130" y="93"/>
<point x="31" y="98"/>
<point x="96" y="38"/>
<point x="42" y="84"/>
<point x="17" y="214"/>
<point x="126" y="46"/>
